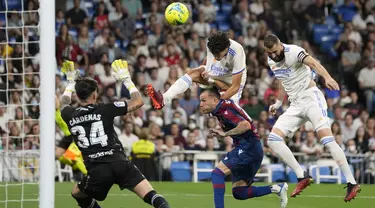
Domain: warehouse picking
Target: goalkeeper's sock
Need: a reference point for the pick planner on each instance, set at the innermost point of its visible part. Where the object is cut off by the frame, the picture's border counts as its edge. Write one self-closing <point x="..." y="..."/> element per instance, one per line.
<point x="277" y="144"/>
<point x="180" y="86"/>
<point x="218" y="183"/>
<point x="339" y="156"/>
<point x="247" y="192"/>
<point x="156" y="200"/>
<point x="65" y="160"/>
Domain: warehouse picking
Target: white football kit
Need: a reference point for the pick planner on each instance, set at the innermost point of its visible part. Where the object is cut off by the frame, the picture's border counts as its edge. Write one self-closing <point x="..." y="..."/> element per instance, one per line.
<point x="306" y="104"/>
<point x="233" y="63"/>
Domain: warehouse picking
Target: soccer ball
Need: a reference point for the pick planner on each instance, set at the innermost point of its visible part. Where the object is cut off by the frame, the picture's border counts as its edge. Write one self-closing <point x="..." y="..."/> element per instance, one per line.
<point x="176" y="14"/>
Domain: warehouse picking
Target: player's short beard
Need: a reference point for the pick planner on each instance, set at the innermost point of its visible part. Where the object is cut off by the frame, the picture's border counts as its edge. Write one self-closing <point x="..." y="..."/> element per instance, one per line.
<point x="279" y="57"/>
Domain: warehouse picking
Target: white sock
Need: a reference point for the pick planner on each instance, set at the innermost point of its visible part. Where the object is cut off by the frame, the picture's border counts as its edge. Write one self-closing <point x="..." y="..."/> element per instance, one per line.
<point x="275" y="189"/>
<point x="338" y="155"/>
<point x="277" y="144"/>
<point x="180" y="86"/>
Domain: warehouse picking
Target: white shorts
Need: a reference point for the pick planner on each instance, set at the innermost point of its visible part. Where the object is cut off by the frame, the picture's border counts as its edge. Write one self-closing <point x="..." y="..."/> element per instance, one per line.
<point x="310" y="105"/>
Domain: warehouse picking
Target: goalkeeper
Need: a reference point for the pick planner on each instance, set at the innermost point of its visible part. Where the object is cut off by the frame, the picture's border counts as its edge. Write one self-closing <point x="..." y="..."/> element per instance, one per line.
<point x="67" y="151"/>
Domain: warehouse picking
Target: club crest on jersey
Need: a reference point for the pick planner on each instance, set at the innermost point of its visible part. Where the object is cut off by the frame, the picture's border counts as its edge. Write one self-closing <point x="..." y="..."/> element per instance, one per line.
<point x="119" y="104"/>
<point x="282" y="73"/>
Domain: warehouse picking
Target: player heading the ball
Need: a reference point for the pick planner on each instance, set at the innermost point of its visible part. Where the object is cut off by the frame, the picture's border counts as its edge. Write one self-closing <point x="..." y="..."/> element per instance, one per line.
<point x="225" y="68"/>
<point x="245" y="159"/>
<point x="92" y="128"/>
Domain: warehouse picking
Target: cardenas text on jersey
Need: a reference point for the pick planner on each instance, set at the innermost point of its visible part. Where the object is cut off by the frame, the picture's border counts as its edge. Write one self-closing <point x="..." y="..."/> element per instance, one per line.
<point x="88" y="117"/>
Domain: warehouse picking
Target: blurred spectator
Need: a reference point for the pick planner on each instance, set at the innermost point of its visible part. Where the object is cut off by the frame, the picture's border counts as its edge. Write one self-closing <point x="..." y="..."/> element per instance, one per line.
<point x="314" y="13"/>
<point x="101" y="39"/>
<point x="75" y="17"/>
<point x="179" y="140"/>
<point x="208" y="10"/>
<point x="169" y="114"/>
<point x="336" y="128"/>
<point x="254" y="108"/>
<point x="257" y="7"/>
<point x="354" y="107"/>
<point x="134" y="8"/>
<point x="202" y="28"/>
<point x="100" y="17"/>
<point x="311" y="147"/>
<point x="210" y="144"/>
<point x="190" y="142"/>
<point x="347" y="11"/>
<point x="348" y="129"/>
<point x="366" y="83"/>
<point x="361" y="140"/>
<point x="188" y="103"/>
<point x="111" y="49"/>
<point x="127" y="137"/>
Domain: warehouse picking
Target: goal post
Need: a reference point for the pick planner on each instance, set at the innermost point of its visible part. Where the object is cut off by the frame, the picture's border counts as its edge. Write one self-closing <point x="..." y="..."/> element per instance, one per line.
<point x="47" y="104"/>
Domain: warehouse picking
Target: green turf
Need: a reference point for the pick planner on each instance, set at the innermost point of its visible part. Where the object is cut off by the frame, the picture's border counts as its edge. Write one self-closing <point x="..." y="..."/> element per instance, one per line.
<point x="189" y="195"/>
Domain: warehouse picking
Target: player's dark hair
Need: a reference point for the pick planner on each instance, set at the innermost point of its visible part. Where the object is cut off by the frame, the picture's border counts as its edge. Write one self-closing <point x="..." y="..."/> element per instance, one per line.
<point x="271" y="40"/>
<point x="218" y="42"/>
<point x="85" y="87"/>
<point x="213" y="92"/>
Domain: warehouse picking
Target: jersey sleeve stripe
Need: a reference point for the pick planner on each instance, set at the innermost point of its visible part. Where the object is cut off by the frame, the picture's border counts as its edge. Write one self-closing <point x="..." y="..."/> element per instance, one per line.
<point x="238" y="71"/>
<point x="231" y="52"/>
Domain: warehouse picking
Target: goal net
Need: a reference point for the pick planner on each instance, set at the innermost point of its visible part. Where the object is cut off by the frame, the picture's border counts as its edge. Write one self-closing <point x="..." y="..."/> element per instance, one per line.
<point x="19" y="103"/>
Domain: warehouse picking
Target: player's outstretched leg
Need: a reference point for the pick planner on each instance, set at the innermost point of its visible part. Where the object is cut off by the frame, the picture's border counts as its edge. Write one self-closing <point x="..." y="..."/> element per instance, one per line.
<point x="241" y="191"/>
<point x="180" y="86"/>
<point x="145" y="191"/>
<point x="277" y="144"/>
<point x="338" y="155"/>
<point x="83" y="200"/>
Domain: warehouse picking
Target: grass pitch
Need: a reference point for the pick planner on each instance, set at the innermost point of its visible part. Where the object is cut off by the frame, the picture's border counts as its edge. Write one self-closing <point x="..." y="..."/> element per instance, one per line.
<point x="190" y="195"/>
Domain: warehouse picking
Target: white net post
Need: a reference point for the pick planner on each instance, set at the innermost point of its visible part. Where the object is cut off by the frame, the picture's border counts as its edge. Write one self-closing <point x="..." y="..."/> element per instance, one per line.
<point x="47" y="104"/>
<point x="19" y="104"/>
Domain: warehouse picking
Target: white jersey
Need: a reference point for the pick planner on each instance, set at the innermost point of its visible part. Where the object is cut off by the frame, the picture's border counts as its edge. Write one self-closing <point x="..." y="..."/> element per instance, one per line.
<point x="293" y="74"/>
<point x="233" y="63"/>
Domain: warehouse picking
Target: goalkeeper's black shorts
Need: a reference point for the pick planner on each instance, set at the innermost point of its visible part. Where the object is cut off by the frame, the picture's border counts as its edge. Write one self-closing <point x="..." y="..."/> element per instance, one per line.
<point x="101" y="177"/>
<point x="65" y="142"/>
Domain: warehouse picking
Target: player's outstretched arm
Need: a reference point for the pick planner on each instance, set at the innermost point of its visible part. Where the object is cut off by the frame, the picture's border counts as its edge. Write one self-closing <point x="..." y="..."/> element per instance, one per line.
<point x="233" y="89"/>
<point x="71" y="76"/>
<point x="241" y="128"/>
<point x="279" y="102"/>
<point x="120" y="67"/>
<point x="218" y="83"/>
<point x="314" y="64"/>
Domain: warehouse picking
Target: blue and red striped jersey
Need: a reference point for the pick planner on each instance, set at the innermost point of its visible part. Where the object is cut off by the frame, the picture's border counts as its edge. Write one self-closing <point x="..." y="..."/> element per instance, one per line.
<point x="230" y="115"/>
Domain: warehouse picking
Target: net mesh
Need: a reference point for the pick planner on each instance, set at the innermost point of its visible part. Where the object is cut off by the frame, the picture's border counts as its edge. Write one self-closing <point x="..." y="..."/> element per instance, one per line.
<point x="19" y="103"/>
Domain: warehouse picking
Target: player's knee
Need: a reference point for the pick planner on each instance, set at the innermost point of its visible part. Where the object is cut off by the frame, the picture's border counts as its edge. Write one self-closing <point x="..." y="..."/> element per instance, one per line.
<point x="84" y="201"/>
<point x="155" y="200"/>
<point x="238" y="194"/>
<point x="217" y="173"/>
<point x="273" y="138"/>
<point x="194" y="74"/>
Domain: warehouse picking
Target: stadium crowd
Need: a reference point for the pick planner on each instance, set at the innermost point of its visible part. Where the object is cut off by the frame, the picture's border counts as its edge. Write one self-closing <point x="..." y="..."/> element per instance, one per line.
<point x="93" y="33"/>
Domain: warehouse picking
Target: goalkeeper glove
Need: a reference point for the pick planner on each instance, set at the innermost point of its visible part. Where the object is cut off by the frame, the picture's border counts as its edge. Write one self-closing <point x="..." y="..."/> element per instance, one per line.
<point x="69" y="71"/>
<point x="120" y="67"/>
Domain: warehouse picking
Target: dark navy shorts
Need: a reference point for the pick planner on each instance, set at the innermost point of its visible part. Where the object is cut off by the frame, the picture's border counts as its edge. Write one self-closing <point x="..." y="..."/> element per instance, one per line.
<point x="245" y="160"/>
